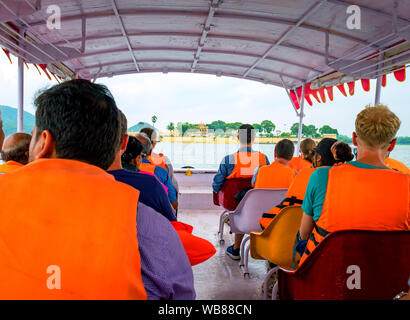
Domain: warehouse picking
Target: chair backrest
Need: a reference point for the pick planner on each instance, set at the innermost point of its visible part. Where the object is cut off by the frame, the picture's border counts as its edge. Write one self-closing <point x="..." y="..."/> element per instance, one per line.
<point x="352" y="264"/>
<point x="256" y="202"/>
<point x="275" y="243"/>
<point x="225" y="196"/>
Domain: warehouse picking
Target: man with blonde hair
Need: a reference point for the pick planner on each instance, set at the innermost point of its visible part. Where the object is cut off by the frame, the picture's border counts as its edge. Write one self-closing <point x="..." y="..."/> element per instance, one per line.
<point x="363" y="194"/>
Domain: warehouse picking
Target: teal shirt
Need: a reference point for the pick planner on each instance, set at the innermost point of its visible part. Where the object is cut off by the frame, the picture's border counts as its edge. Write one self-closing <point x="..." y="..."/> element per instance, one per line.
<point x="316" y="189"/>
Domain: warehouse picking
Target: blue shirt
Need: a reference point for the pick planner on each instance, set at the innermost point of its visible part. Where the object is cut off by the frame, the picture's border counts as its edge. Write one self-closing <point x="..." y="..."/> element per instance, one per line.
<point x="163" y="176"/>
<point x="226" y="167"/>
<point x="316" y="189"/>
<point x="165" y="267"/>
<point x="151" y="191"/>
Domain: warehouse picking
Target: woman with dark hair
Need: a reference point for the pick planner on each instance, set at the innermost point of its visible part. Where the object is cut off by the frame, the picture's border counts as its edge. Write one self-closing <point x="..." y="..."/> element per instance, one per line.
<point x="132" y="157"/>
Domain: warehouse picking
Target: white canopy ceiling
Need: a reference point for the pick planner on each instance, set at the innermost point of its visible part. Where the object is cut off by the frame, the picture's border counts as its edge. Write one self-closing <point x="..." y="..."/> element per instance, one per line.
<point x="268" y="41"/>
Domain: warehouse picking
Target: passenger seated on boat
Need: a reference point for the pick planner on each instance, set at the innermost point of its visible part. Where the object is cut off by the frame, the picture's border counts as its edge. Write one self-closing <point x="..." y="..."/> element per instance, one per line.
<point x="132" y="157"/>
<point x="363" y="194"/>
<point x="277" y="175"/>
<point x="241" y="164"/>
<point x="152" y="194"/>
<point x="158" y="171"/>
<point x="15" y="152"/>
<point x="305" y="159"/>
<point x="396" y="164"/>
<point x="159" y="159"/>
<point x="322" y="156"/>
<point x="62" y="214"/>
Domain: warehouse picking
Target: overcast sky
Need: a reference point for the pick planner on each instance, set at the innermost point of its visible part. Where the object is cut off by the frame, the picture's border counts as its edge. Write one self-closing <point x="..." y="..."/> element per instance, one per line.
<point x="203" y="98"/>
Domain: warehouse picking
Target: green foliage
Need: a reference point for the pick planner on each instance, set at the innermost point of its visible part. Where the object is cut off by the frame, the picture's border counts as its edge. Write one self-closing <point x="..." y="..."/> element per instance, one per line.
<point x="258" y="127"/>
<point x="219" y="124"/>
<point x="328" y="130"/>
<point x="403" y="140"/>
<point x="154" y="119"/>
<point x="233" y="125"/>
<point x="171" y="127"/>
<point x="285" y="134"/>
<point x="268" y="126"/>
<point x="343" y="138"/>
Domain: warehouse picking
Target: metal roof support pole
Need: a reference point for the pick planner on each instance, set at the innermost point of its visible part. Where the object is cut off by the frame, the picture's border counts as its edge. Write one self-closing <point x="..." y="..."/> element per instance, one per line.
<point x="301" y="115"/>
<point x="378" y="84"/>
<point x="20" y="93"/>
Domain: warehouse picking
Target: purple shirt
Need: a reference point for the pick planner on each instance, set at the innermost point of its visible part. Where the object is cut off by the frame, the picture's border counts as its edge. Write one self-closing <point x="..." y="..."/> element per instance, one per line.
<point x="165" y="268"/>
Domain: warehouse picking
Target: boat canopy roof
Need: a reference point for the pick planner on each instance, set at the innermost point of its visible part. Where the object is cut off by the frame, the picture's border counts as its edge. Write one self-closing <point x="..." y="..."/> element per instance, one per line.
<point x="285" y="43"/>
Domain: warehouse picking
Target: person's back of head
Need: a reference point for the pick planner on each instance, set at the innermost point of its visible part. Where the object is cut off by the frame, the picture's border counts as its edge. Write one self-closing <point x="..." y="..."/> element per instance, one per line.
<point x="16" y="148"/>
<point x="151" y="133"/>
<point x="134" y="149"/>
<point x="146" y="144"/>
<point x="80" y="119"/>
<point x="246" y="134"/>
<point x="306" y="147"/>
<point x="323" y="154"/>
<point x="284" y="149"/>
<point x="342" y="152"/>
<point x="376" y="127"/>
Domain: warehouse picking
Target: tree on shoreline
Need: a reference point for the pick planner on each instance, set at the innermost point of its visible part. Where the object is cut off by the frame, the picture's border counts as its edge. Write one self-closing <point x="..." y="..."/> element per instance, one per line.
<point x="171" y="128"/>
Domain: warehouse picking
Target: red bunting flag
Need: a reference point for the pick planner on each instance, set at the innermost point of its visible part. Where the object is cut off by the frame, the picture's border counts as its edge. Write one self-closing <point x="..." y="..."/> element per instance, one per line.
<point x="351" y="87"/>
<point x="400" y="75"/>
<point x="329" y="91"/>
<point x="8" y="55"/>
<point x="342" y="89"/>
<point x="366" y="84"/>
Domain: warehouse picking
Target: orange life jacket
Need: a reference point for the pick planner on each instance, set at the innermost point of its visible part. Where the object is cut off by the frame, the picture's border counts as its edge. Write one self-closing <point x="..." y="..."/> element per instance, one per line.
<point x="68" y="220"/>
<point x="10" y="166"/>
<point x="148" y="167"/>
<point x="158" y="160"/>
<point x="294" y="196"/>
<point x="299" y="164"/>
<point x="274" y="176"/>
<point x="397" y="165"/>
<point x="246" y="163"/>
<point x="197" y="249"/>
<point x="362" y="199"/>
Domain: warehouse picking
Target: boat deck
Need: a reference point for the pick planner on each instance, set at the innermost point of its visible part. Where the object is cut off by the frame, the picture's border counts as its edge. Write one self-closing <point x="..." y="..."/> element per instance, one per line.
<point x="220" y="277"/>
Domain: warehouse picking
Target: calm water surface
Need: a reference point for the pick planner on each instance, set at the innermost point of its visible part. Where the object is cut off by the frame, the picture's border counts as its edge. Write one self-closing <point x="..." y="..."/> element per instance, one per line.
<point x="208" y="156"/>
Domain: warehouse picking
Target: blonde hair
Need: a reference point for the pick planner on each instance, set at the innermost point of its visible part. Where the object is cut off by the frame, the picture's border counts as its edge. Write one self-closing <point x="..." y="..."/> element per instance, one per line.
<point x="377" y="126"/>
<point x="306" y="146"/>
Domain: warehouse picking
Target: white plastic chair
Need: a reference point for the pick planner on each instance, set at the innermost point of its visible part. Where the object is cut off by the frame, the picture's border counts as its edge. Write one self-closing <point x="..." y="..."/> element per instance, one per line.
<point x="245" y="218"/>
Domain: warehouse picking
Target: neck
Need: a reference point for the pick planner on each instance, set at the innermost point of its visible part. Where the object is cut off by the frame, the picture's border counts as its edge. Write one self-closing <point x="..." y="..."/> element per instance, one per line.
<point x="116" y="165"/>
<point x="282" y="161"/>
<point x="245" y="145"/>
<point x="373" y="157"/>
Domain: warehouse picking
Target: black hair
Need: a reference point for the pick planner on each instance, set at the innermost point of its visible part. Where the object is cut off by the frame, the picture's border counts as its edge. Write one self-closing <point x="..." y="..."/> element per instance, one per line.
<point x="148" y="131"/>
<point x="134" y="149"/>
<point x="83" y="119"/>
<point x="343" y="152"/>
<point x="246" y="133"/>
<point x="285" y="149"/>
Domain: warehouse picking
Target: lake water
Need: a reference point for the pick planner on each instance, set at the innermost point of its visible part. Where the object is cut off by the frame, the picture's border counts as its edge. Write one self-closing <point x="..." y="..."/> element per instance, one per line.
<point x="208" y="155"/>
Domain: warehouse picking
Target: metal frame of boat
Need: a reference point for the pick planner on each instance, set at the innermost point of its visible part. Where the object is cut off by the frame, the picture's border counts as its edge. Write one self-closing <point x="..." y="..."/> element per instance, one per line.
<point x="305" y="46"/>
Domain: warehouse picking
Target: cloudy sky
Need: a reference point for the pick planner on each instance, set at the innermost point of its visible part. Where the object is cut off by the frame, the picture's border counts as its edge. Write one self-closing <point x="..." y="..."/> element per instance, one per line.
<point x="202" y="98"/>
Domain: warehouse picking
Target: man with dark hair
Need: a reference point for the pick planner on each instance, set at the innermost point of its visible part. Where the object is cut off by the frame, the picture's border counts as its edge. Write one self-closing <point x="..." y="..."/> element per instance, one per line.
<point x="76" y="221"/>
<point x="158" y="171"/>
<point x="277" y="175"/>
<point x="166" y="270"/>
<point x="241" y="164"/>
<point x="15" y="152"/>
